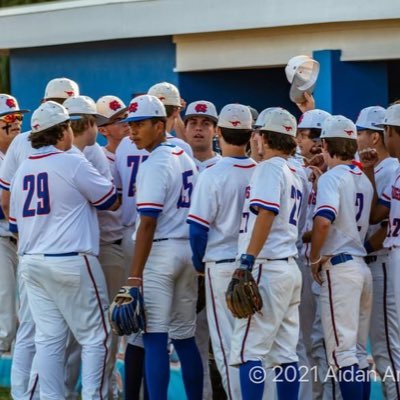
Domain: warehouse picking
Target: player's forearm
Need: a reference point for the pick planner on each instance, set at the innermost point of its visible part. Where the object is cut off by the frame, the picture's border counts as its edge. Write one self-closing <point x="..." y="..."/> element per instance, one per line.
<point x="319" y="235"/>
<point x="261" y="230"/>
<point x="180" y="128"/>
<point x="5" y="203"/>
<point x="144" y="242"/>
<point x="375" y="242"/>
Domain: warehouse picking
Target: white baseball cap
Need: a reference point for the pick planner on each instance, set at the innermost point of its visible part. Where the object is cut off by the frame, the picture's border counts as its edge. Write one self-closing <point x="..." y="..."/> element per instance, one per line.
<point x="302" y="72"/>
<point x="110" y="106"/>
<point x="313" y="119"/>
<point x="61" y="88"/>
<point x="338" y="126"/>
<point x="145" y="107"/>
<point x="371" y="118"/>
<point x="392" y="116"/>
<point x="235" y="116"/>
<point x="84" y="105"/>
<point x="167" y="93"/>
<point x="201" y="108"/>
<point x="263" y="114"/>
<point x="281" y="121"/>
<point x="9" y="105"/>
<point x="49" y="114"/>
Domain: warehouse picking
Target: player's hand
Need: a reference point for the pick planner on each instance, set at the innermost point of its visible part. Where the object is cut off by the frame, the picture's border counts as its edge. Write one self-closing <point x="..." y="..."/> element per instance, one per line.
<point x="369" y="158"/>
<point x="314" y="176"/>
<point x="183" y="104"/>
<point x="308" y="104"/>
<point x="316" y="268"/>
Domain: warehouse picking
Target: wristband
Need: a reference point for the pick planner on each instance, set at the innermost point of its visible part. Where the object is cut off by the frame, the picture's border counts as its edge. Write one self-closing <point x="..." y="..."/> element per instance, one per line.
<point x="135" y="278"/>
<point x="316" y="262"/>
<point x="247" y="261"/>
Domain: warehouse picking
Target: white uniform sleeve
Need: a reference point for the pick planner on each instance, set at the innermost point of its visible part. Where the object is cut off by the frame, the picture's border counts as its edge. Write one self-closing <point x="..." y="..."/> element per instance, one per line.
<point x="152" y="183"/>
<point x="328" y="197"/>
<point x="99" y="160"/>
<point x="266" y="188"/>
<point x="9" y="165"/>
<point x="13" y="223"/>
<point x="99" y="191"/>
<point x="204" y="202"/>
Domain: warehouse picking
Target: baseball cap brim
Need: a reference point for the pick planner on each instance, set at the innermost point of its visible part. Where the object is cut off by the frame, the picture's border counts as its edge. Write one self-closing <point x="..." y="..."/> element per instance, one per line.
<point x="117" y="114"/>
<point x="100" y="119"/>
<point x="14" y="112"/>
<point x="200" y="115"/>
<point x="141" y="118"/>
<point x="378" y="127"/>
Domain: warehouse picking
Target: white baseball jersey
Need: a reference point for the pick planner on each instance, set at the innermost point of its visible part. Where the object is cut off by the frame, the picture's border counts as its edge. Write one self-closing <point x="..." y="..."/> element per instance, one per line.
<point x="344" y="196"/>
<point x="391" y="199"/>
<point x="53" y="195"/>
<point x="384" y="172"/>
<point x="181" y="143"/>
<point x="19" y="150"/>
<point x="277" y="187"/>
<point x="128" y="158"/>
<point x="4" y="227"/>
<point x="202" y="165"/>
<point x="217" y="204"/>
<point x="164" y="185"/>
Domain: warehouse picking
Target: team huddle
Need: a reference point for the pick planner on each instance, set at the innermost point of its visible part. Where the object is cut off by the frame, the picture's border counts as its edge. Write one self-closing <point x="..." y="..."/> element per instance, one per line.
<point x="279" y="249"/>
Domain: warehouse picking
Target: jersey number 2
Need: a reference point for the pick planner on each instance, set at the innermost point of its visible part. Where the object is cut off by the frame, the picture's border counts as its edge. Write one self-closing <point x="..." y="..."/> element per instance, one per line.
<point x="187" y="188"/>
<point x="294" y="214"/>
<point x="38" y="185"/>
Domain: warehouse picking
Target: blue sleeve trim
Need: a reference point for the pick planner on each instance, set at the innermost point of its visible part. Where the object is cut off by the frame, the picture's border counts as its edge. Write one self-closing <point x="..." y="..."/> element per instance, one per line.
<point x="2" y="216"/>
<point x="198" y="237"/>
<point x="5" y="187"/>
<point x="147" y="212"/>
<point x="268" y="208"/>
<point x="384" y="203"/>
<point x="106" y="205"/>
<point x="13" y="228"/>
<point x="328" y="214"/>
<point x="190" y="221"/>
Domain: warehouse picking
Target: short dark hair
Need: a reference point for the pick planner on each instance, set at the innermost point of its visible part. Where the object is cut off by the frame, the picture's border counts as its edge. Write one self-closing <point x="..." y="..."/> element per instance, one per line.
<point x="280" y="141"/>
<point x="236" y="137"/>
<point x="170" y="109"/>
<point x="159" y="119"/>
<point x="48" y="137"/>
<point x="80" y="125"/>
<point x="371" y="131"/>
<point x="343" y="148"/>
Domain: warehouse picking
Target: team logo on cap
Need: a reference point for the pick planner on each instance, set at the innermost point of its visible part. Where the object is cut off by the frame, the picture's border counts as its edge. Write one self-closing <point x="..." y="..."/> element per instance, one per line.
<point x="36" y="126"/>
<point x="201" y="108"/>
<point x="287" y="128"/>
<point x="161" y="98"/>
<point x="11" y="103"/>
<point x="235" y="123"/>
<point x="115" y="105"/>
<point x="69" y="93"/>
<point x="349" y="132"/>
<point x="133" y="107"/>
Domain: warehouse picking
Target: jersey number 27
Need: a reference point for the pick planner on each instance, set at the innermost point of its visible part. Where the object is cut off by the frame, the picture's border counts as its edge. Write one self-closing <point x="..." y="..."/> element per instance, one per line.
<point x="38" y="185"/>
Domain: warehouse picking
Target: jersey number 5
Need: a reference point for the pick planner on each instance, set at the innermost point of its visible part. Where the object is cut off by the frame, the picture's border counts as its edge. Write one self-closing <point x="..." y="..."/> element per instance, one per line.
<point x="187" y="188"/>
<point x="38" y="185"/>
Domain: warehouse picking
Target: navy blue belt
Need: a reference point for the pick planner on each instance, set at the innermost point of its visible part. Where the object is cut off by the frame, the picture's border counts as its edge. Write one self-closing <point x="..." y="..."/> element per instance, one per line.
<point x="159" y="240"/>
<point x="62" y="254"/>
<point x="370" y="259"/>
<point x="340" y="258"/>
<point x="227" y="260"/>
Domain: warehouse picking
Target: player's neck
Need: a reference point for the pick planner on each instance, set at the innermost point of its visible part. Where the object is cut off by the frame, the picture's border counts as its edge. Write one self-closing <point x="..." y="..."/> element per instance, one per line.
<point x="382" y="153"/>
<point x="112" y="145"/>
<point x="4" y="147"/>
<point x="229" y="150"/>
<point x="203" y="155"/>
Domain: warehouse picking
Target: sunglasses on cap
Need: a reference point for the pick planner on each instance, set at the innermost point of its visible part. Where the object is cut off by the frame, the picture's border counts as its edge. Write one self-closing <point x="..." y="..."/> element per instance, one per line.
<point x="10" y="118"/>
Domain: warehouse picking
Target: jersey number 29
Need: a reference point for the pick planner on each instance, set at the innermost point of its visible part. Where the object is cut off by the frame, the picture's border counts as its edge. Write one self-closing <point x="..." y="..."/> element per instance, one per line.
<point x="38" y="185"/>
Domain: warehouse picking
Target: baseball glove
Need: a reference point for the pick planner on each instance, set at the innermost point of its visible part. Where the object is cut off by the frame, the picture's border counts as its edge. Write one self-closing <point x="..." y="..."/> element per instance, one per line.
<point x="127" y="311"/>
<point x="242" y="296"/>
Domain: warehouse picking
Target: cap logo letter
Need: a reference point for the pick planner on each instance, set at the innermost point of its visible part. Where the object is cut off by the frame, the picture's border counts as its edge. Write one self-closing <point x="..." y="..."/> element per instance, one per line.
<point x="235" y="123"/>
<point x="133" y="107"/>
<point x="201" y="108"/>
<point x="287" y="128"/>
<point x="348" y="132"/>
<point x="11" y="103"/>
<point x="69" y="92"/>
<point x="36" y="126"/>
<point x="115" y="105"/>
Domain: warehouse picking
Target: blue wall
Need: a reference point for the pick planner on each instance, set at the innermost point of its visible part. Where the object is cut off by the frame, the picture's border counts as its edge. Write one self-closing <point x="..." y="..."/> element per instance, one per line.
<point x="345" y="87"/>
<point x="118" y="67"/>
<point x="260" y="88"/>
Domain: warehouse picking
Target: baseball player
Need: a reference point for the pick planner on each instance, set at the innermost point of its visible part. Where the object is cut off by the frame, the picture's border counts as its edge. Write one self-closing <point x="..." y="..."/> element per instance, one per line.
<point x="24" y="347"/>
<point x="58" y="245"/>
<point x="384" y="329"/>
<point x="200" y="128"/>
<point x="215" y="219"/>
<point x="10" y="126"/>
<point x="169" y="95"/>
<point x="341" y="221"/>
<point x="267" y="242"/>
<point x="162" y="257"/>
